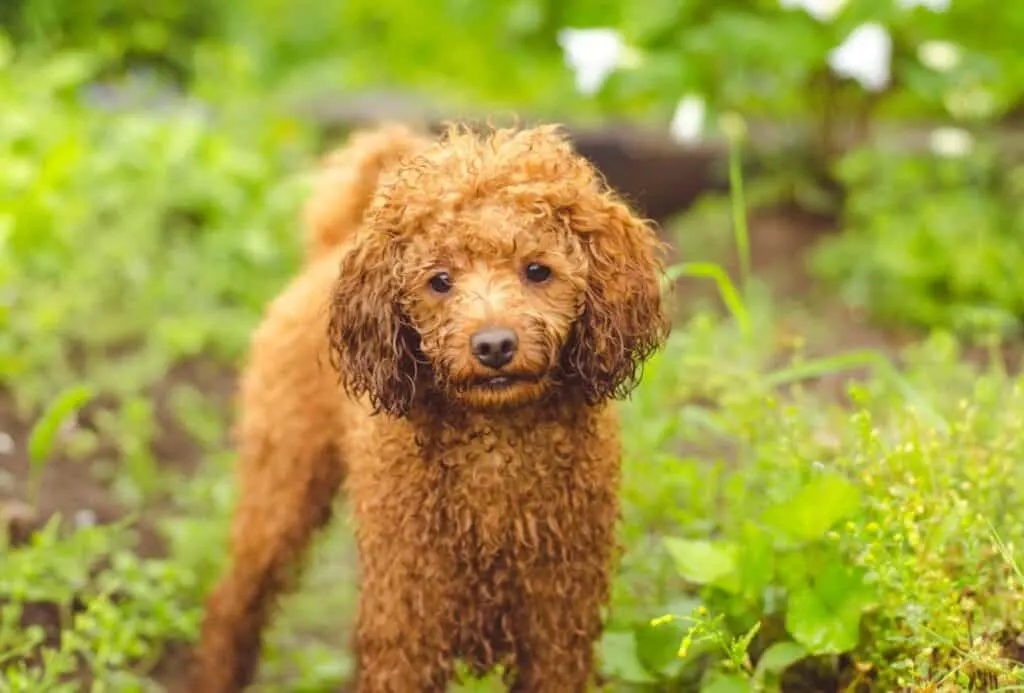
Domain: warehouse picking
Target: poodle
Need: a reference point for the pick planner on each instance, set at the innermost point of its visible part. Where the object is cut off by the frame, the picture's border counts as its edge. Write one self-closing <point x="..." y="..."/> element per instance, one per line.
<point x="469" y="308"/>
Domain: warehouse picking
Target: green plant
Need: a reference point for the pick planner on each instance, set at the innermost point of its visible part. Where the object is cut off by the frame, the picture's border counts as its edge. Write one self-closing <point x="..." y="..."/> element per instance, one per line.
<point x="857" y="534"/>
<point x="800" y="531"/>
<point x="112" y="620"/>
<point x="131" y="243"/>
<point x="930" y="241"/>
<point x="122" y="204"/>
<point x="121" y="34"/>
<point x="46" y="431"/>
<point x="763" y="58"/>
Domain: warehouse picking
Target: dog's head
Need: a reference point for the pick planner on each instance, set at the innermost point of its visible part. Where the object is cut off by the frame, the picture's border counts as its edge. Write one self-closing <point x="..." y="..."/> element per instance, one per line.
<point x="496" y="271"/>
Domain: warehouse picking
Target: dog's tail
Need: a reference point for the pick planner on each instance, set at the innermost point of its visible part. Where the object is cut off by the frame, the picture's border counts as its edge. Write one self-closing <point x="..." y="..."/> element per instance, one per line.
<point x="346" y="182"/>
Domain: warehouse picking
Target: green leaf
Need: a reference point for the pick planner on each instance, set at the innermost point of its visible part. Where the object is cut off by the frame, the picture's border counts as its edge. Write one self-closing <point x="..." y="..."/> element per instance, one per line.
<point x="44" y="433"/>
<point x="821" y="629"/>
<point x="779" y="657"/>
<point x="755" y="564"/>
<point x="657" y="645"/>
<point x="703" y="562"/>
<point x="818" y="506"/>
<point x="728" y="291"/>
<point x="619" y="658"/>
<point x="825" y="617"/>
<point x="726" y="683"/>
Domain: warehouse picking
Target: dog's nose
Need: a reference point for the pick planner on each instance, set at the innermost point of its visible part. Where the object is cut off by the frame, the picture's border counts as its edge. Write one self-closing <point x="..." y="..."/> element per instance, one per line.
<point x="494" y="346"/>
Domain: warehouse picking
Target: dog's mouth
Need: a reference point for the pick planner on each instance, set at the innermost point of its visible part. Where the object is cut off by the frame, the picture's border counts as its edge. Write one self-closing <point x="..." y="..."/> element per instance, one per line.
<point x="500" y="389"/>
<point x="502" y="381"/>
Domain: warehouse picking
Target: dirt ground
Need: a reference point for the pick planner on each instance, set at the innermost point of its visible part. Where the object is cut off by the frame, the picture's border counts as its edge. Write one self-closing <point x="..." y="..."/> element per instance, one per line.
<point x="70" y="487"/>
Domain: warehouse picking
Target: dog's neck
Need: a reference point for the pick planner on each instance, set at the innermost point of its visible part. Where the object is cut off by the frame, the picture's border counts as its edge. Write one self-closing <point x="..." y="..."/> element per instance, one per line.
<point x="448" y="425"/>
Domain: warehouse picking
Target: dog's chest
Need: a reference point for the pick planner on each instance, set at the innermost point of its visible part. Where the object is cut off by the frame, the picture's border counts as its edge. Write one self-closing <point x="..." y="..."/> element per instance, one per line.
<point x="492" y="480"/>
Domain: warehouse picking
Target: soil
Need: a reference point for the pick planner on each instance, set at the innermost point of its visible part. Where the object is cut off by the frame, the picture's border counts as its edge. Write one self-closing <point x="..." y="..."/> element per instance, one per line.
<point x="70" y="488"/>
<point x="67" y="487"/>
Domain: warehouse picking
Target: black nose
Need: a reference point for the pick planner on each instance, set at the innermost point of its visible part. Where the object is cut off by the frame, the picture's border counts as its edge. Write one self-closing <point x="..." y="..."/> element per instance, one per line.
<point x="494" y="346"/>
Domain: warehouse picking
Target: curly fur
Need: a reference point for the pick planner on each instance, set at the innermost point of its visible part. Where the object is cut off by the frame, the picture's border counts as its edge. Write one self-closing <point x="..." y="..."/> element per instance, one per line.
<point x="484" y="509"/>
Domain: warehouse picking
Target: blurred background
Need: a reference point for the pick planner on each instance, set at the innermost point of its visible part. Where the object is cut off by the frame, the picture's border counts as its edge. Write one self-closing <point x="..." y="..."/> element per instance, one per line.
<point x="822" y="469"/>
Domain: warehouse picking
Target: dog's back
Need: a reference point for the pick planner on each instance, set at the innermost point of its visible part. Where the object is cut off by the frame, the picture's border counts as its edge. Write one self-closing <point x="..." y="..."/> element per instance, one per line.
<point x="346" y="182"/>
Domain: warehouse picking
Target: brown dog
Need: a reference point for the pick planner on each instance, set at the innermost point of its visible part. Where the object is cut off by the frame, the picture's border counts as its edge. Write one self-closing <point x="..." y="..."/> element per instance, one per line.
<point x="482" y="298"/>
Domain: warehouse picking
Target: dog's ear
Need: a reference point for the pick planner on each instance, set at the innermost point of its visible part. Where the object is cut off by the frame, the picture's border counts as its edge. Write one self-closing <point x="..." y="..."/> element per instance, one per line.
<point x="373" y="346"/>
<point x="623" y="319"/>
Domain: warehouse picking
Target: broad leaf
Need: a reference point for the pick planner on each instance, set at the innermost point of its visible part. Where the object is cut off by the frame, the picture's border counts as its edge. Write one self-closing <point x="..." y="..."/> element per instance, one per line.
<point x="818" y="506"/>
<point x="825" y="616"/>
<point x="755" y="564"/>
<point x="44" y="433"/>
<point x="703" y="562"/>
<point x="726" y="683"/>
<point x="779" y="657"/>
<point x="619" y="658"/>
<point x="657" y="645"/>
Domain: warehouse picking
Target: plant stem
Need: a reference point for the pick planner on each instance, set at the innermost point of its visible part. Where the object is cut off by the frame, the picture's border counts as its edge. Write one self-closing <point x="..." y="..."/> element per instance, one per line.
<point x="739" y="214"/>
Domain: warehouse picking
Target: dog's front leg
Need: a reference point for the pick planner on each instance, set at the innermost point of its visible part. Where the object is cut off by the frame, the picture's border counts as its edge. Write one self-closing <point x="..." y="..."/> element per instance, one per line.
<point x="403" y="634"/>
<point x="561" y="591"/>
<point x="560" y="622"/>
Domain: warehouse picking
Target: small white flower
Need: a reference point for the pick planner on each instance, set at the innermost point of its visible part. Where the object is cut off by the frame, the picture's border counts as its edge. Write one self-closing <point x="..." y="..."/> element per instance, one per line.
<point x="687" y="124"/>
<point x="593" y="54"/>
<point x="933" y="5"/>
<point x="952" y="143"/>
<point x="6" y="443"/>
<point x="941" y="56"/>
<point x="822" y="10"/>
<point x="865" y="56"/>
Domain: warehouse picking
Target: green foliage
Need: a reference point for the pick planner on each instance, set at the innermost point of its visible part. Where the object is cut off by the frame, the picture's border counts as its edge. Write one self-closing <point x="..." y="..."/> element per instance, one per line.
<point x="778" y="499"/>
<point x="755" y="57"/>
<point x="109" y="619"/>
<point x="759" y="57"/>
<point x="130" y="243"/>
<point x="771" y="529"/>
<point x="839" y="532"/>
<point x="511" y="56"/>
<point x="135" y="32"/>
<point x="931" y="241"/>
<point x="123" y="203"/>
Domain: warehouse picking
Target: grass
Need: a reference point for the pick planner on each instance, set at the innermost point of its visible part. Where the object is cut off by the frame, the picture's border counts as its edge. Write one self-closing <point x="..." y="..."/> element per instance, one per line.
<point x="777" y="532"/>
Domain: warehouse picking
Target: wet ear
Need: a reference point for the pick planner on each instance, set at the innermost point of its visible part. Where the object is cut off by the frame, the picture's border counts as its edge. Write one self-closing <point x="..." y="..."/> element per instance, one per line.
<point x="373" y="346"/>
<point x="623" y="319"/>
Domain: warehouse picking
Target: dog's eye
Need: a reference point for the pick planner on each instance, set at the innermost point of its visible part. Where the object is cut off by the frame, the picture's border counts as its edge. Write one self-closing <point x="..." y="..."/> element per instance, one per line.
<point x="441" y="283"/>
<point x="537" y="273"/>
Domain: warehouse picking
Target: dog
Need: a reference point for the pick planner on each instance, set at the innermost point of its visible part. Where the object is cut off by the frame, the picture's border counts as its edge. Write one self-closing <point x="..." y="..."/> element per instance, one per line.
<point x="469" y="309"/>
